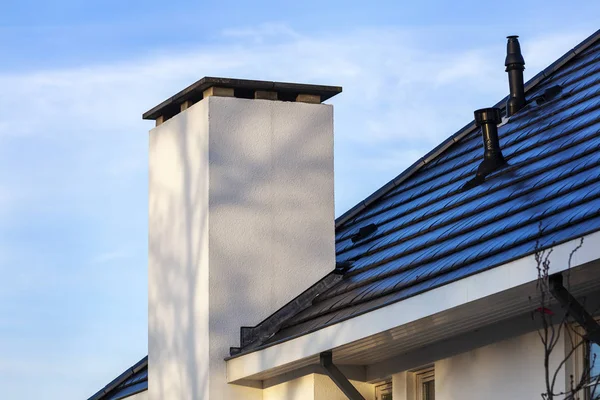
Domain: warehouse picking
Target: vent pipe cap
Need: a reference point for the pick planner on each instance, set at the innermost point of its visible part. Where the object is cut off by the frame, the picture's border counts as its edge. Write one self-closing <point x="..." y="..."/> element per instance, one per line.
<point x="514" y="58"/>
<point x="487" y="116"/>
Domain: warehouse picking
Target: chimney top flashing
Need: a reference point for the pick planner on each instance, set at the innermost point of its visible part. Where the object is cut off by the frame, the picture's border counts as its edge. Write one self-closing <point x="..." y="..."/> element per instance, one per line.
<point x="242" y="88"/>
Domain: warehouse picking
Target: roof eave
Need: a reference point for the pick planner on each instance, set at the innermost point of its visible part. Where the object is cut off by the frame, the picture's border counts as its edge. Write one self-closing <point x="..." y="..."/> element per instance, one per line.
<point x="296" y="352"/>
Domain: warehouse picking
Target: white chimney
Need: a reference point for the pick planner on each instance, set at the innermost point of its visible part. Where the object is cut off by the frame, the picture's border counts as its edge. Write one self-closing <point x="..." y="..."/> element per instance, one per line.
<point x="241" y="221"/>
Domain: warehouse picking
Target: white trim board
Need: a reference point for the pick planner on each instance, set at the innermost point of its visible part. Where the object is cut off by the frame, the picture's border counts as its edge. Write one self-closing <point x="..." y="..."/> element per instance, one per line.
<point x="475" y="287"/>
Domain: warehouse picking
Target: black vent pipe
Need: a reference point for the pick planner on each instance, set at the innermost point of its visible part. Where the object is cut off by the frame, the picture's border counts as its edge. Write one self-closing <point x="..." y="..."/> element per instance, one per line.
<point x="488" y="119"/>
<point x="515" y="64"/>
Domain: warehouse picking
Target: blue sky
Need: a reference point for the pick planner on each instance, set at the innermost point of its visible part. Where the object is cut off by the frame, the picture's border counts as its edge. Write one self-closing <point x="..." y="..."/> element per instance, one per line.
<point x="75" y="77"/>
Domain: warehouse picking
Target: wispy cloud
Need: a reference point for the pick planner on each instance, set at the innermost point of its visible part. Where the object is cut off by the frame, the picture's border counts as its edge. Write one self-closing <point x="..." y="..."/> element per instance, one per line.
<point x="396" y="90"/>
<point x="260" y="34"/>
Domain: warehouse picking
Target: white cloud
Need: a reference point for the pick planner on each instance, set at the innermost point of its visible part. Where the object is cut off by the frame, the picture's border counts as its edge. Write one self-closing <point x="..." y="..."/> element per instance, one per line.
<point x="397" y="94"/>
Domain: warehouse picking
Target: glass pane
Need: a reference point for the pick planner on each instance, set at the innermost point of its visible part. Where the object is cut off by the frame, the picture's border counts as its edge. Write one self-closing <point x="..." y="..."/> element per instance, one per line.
<point x="593" y="389"/>
<point x="595" y="365"/>
<point x="429" y="390"/>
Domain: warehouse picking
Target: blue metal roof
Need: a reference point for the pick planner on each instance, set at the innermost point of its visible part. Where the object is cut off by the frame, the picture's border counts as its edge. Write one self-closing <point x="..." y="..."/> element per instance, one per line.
<point x="431" y="232"/>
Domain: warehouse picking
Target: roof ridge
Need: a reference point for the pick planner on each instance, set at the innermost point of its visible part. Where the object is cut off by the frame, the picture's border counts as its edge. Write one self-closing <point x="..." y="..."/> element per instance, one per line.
<point x="442" y="147"/>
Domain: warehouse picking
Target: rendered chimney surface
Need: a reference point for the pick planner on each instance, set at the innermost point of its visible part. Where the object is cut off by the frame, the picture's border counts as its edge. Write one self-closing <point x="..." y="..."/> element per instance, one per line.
<point x="241" y="221"/>
<point x="240" y="88"/>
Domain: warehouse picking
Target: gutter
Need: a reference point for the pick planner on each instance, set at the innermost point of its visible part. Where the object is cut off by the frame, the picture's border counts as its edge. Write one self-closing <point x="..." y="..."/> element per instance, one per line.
<point x="356" y="333"/>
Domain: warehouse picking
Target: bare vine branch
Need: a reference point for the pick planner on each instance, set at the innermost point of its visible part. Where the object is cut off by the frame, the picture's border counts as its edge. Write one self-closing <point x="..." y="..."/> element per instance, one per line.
<point x="556" y="326"/>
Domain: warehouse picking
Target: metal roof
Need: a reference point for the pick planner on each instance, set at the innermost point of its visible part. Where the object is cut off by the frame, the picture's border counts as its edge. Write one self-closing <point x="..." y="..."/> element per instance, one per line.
<point x="130" y="382"/>
<point x="430" y="231"/>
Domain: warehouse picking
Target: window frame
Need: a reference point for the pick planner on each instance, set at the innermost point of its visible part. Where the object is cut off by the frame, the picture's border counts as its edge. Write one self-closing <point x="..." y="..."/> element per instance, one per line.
<point x="586" y="364"/>
<point x="421" y="377"/>
<point x="580" y="361"/>
<point x="385" y="386"/>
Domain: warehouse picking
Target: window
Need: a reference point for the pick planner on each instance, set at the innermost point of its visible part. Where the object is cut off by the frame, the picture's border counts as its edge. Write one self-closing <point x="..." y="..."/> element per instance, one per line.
<point x="593" y="361"/>
<point x="583" y="363"/>
<point x="425" y="384"/>
<point x="383" y="391"/>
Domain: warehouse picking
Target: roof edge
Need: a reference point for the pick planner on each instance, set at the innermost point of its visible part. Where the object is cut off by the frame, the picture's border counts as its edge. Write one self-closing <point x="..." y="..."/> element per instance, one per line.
<point x="560" y="249"/>
<point x="440" y="149"/>
<point x="143" y="363"/>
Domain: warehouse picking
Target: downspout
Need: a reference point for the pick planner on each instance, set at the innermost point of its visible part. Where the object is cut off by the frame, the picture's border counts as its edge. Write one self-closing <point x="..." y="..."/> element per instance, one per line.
<point x="338" y="377"/>
<point x="574" y="308"/>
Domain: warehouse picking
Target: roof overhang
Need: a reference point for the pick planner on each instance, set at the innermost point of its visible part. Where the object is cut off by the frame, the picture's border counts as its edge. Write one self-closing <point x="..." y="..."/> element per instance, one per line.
<point x="373" y="338"/>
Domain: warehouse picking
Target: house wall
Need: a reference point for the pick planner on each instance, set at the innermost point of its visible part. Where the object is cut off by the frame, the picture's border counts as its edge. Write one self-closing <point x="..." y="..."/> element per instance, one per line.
<point x="314" y="387"/>
<point x="241" y="220"/>
<point x="325" y="389"/>
<point x="302" y="388"/>
<point x="139" y="396"/>
<point x="509" y="369"/>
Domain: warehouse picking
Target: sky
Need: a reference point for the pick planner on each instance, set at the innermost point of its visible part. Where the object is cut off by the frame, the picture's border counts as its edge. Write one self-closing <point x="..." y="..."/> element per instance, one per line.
<point x="75" y="77"/>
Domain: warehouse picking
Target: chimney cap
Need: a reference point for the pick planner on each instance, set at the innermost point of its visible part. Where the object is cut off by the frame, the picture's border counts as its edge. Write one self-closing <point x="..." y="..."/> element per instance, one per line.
<point x="487" y="115"/>
<point x="245" y="87"/>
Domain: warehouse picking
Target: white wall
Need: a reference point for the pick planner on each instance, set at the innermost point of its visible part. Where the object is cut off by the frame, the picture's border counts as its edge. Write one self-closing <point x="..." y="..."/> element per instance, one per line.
<point x="314" y="387"/>
<point x="325" y="389"/>
<point x="302" y="388"/>
<point x="241" y="221"/>
<point x="139" y="396"/>
<point x="403" y="386"/>
<point x="178" y="286"/>
<point x="510" y="369"/>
